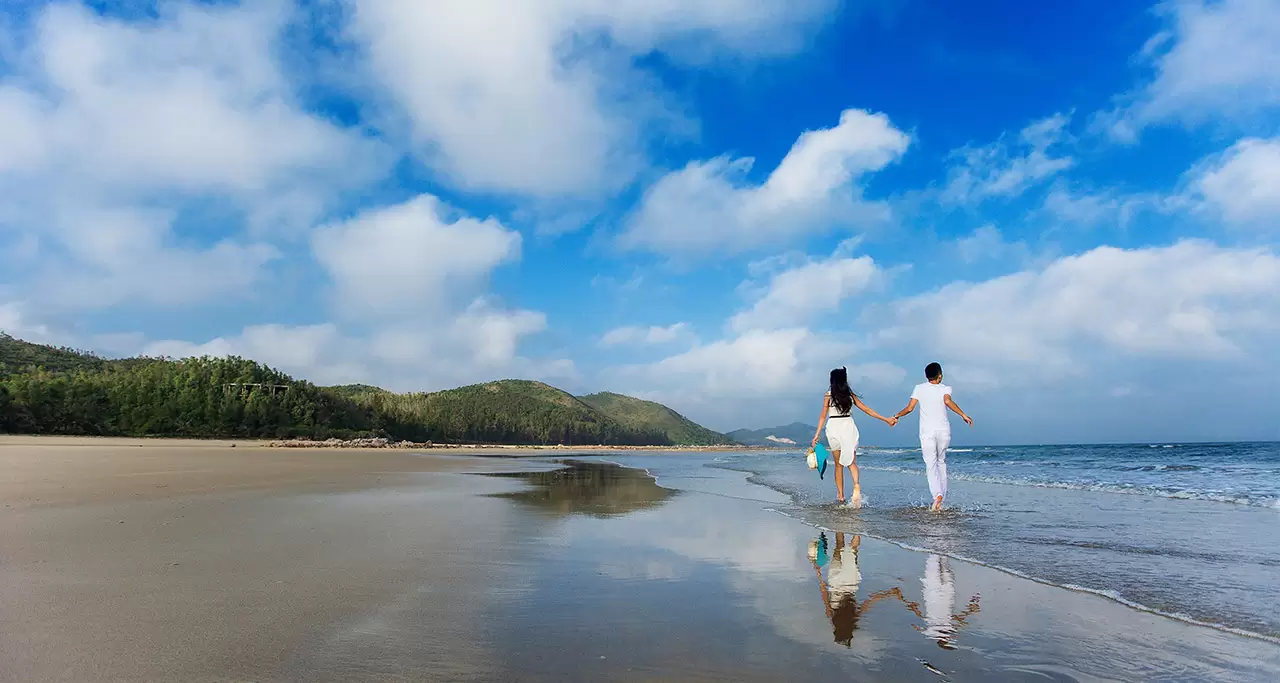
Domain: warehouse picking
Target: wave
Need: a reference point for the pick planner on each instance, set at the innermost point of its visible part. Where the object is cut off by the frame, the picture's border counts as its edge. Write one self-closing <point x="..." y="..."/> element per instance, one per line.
<point x="1100" y="487"/>
<point x="1102" y="593"/>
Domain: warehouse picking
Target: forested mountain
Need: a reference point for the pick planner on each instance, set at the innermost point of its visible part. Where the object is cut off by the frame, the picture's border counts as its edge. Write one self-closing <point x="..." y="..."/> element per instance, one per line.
<point x="634" y="412"/>
<point x="509" y="412"/>
<point x="48" y="390"/>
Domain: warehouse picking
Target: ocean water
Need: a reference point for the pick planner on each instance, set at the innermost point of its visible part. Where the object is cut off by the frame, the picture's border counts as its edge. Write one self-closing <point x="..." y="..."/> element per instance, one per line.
<point x="1189" y="531"/>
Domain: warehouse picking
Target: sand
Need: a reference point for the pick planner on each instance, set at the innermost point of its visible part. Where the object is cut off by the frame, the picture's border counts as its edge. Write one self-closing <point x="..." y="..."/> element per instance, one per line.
<point x="172" y="561"/>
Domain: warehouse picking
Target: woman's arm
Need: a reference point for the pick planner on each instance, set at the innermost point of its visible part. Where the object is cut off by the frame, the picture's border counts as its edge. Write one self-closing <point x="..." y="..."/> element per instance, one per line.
<point x="822" y="419"/>
<point x="891" y="421"/>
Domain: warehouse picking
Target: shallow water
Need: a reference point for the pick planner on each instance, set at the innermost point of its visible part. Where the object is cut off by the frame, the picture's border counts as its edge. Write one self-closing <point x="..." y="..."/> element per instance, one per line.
<point x="1136" y="524"/>
<point x="711" y="585"/>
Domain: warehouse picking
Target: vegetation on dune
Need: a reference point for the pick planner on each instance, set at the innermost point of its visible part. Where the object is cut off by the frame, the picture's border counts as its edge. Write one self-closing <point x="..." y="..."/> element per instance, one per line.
<point x="634" y="412"/>
<point x="48" y="390"/>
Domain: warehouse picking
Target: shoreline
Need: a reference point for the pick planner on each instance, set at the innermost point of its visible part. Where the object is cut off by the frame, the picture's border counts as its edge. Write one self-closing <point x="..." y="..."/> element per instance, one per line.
<point x="379" y="444"/>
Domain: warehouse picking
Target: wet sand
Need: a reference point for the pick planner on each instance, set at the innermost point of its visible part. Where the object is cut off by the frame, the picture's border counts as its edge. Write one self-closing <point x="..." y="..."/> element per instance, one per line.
<point x="175" y="562"/>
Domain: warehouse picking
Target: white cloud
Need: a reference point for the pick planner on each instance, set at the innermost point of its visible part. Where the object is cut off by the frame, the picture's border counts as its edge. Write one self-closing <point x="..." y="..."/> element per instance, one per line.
<point x="1074" y="207"/>
<point x="987" y="244"/>
<point x="710" y="206"/>
<point x="1191" y="300"/>
<point x="1006" y="169"/>
<point x="543" y="97"/>
<point x="116" y="134"/>
<point x="479" y="344"/>
<point x="643" y="335"/>
<point x="411" y="256"/>
<point x="1217" y="60"/>
<point x="407" y="279"/>
<point x="15" y="323"/>
<point x="793" y="297"/>
<point x="757" y="362"/>
<point x="1242" y="185"/>
<point x="313" y="351"/>
<point x="742" y="380"/>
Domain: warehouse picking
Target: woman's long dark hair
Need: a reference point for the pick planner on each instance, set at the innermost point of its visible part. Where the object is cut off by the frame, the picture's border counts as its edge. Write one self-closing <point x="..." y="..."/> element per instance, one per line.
<point x="841" y="394"/>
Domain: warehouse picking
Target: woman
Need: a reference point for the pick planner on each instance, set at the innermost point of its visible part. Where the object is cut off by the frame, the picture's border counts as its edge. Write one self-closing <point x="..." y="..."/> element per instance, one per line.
<point x="842" y="433"/>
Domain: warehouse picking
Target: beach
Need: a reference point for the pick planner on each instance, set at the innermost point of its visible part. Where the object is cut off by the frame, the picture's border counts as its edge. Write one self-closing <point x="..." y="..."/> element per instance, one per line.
<point x="199" y="561"/>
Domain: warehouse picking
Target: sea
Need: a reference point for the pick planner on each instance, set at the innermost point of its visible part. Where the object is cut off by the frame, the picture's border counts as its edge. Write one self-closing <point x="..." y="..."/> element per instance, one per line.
<point x="1188" y="531"/>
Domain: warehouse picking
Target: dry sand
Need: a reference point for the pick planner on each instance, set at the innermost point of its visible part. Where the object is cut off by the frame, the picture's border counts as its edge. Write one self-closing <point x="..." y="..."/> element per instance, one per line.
<point x="51" y="470"/>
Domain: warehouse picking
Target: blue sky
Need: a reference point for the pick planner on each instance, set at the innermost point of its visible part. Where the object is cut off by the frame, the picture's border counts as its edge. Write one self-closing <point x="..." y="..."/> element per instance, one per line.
<point x="1073" y="208"/>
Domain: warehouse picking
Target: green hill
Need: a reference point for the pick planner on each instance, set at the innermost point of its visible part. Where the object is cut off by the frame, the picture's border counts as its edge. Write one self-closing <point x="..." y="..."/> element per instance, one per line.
<point x="507" y="412"/>
<point x="48" y="390"/>
<point x="17" y="355"/>
<point x="641" y="414"/>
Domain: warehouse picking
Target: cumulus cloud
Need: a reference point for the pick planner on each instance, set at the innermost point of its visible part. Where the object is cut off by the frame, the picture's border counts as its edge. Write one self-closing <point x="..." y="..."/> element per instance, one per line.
<point x="1006" y="168"/>
<point x="744" y="379"/>
<point x="408" y="299"/>
<point x="309" y="350"/>
<point x="987" y="244"/>
<point x="1216" y="60"/>
<point x="643" y="335"/>
<point x="757" y="362"/>
<point x="796" y="295"/>
<point x="15" y="323"/>
<point x="1241" y="185"/>
<point x="478" y="344"/>
<point x="544" y="98"/>
<point x="411" y="256"/>
<point x="1189" y="300"/>
<point x="115" y="136"/>
<point x="711" y="206"/>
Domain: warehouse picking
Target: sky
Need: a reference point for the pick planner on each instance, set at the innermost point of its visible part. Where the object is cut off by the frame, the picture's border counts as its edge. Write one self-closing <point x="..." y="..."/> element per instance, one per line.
<point x="1074" y="207"/>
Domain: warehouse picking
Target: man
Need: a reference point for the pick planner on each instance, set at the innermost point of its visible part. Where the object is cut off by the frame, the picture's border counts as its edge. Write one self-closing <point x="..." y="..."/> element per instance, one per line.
<point x="934" y="398"/>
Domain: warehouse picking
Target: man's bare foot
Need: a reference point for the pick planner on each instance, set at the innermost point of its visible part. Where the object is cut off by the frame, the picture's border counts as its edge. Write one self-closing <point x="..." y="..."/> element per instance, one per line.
<point x="937" y="504"/>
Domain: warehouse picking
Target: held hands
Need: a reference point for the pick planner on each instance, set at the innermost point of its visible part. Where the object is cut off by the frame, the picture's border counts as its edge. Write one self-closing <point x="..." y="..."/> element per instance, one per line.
<point x="891" y="421"/>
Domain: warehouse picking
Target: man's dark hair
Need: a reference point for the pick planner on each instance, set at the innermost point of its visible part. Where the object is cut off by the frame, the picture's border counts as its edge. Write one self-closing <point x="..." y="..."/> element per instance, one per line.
<point x="932" y="371"/>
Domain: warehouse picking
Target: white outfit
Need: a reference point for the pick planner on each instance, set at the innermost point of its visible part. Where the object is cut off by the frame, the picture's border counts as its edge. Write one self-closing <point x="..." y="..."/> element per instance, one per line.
<point x="935" y="433"/>
<point x="842" y="434"/>
<point x="934" y="447"/>
<point x="843" y="576"/>
<point x="939" y="587"/>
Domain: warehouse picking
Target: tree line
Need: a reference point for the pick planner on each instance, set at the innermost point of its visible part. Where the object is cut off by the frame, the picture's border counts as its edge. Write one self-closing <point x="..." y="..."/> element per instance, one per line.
<point x="48" y="390"/>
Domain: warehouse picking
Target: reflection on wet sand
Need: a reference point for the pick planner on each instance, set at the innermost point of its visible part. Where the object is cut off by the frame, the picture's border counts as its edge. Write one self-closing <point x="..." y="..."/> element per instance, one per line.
<point x="588" y="488"/>
<point x="843" y="577"/>
<point x="938" y="586"/>
<point x="840" y="587"/>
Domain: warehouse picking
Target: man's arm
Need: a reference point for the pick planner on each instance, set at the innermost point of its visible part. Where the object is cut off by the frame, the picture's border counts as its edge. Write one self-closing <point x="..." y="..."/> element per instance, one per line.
<point x="911" y="405"/>
<point x="952" y="405"/>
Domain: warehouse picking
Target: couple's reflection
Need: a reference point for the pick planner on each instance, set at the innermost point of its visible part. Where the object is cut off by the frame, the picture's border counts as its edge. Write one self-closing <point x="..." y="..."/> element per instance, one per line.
<point x="843" y="578"/>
